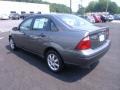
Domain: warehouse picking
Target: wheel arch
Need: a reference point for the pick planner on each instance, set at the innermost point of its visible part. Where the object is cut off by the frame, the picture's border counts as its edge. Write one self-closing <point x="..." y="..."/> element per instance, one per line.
<point x="54" y="49"/>
<point x="48" y="49"/>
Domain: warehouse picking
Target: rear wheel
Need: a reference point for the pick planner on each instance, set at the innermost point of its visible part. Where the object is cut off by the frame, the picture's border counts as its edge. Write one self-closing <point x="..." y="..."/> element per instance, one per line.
<point x="54" y="61"/>
<point x="12" y="44"/>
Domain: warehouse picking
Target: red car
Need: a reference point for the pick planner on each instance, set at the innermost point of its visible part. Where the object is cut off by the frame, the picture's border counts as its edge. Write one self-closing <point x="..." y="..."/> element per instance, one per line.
<point x="97" y="18"/>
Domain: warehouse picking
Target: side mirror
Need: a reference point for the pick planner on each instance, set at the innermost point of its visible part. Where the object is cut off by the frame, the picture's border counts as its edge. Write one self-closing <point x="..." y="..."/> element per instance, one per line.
<point x="15" y="28"/>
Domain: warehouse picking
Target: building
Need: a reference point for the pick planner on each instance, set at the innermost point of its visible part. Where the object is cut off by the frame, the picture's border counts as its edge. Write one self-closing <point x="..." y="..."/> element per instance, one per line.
<point x="7" y="6"/>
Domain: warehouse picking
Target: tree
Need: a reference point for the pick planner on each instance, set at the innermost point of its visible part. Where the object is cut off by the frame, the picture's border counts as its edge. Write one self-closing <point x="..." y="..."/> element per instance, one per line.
<point x="81" y="11"/>
<point x="102" y="6"/>
<point x="91" y="6"/>
<point x="118" y="11"/>
<point x="60" y="8"/>
<point x="113" y="8"/>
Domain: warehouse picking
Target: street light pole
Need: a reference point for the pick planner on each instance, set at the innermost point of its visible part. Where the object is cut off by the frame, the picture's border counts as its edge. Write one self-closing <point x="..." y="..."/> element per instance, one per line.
<point x="70" y="6"/>
<point x="107" y="6"/>
<point x="81" y="3"/>
<point x="81" y="6"/>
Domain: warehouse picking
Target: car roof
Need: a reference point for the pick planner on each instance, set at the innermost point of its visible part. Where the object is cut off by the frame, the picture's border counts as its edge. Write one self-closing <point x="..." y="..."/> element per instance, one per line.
<point x="50" y="15"/>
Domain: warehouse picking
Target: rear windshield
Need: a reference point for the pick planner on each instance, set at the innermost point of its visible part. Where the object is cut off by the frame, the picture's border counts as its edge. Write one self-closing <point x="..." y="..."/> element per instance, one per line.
<point x="73" y="20"/>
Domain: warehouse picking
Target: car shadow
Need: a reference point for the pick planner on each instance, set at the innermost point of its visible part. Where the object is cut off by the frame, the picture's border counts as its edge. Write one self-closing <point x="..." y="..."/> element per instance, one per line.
<point x="70" y="74"/>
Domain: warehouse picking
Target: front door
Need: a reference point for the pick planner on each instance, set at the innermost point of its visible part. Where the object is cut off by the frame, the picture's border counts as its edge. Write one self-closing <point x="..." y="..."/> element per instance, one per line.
<point x="38" y="34"/>
<point x="22" y="35"/>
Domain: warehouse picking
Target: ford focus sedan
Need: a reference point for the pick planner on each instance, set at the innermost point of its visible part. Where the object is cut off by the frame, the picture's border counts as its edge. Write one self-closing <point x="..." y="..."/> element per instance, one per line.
<point x="61" y="39"/>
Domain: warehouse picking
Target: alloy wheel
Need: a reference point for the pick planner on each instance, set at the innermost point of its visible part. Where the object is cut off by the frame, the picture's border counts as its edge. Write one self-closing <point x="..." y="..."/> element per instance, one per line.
<point x="53" y="62"/>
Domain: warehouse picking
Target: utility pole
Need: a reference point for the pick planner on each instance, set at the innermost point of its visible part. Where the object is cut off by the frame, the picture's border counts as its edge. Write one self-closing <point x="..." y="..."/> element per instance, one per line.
<point x="81" y="3"/>
<point x="107" y="6"/>
<point x="81" y="6"/>
<point x="70" y="6"/>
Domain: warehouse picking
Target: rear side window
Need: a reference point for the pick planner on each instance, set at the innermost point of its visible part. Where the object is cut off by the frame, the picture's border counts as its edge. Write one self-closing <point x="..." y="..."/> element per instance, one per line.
<point x="40" y="23"/>
<point x="73" y="20"/>
<point x="26" y="24"/>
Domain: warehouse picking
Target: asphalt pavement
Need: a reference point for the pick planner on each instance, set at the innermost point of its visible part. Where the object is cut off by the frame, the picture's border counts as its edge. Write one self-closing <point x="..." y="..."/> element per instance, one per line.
<point x="21" y="70"/>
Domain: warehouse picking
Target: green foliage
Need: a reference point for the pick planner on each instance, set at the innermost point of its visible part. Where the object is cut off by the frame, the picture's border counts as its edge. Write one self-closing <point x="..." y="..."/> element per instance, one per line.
<point x="113" y="8"/>
<point x="91" y="7"/>
<point x="101" y="6"/>
<point x="60" y="8"/>
<point x="81" y="11"/>
<point x="118" y="11"/>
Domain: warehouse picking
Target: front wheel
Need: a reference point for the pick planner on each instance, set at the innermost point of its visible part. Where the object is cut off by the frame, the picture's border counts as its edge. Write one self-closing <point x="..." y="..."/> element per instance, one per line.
<point x="54" y="61"/>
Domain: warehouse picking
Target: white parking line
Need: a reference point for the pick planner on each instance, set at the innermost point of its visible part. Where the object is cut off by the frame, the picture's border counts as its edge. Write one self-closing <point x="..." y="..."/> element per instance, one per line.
<point x="2" y="31"/>
<point x="1" y="38"/>
<point x="115" y="21"/>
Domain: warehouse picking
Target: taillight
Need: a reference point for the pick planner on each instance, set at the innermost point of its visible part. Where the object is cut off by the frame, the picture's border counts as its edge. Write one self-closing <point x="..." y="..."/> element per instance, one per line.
<point x="84" y="44"/>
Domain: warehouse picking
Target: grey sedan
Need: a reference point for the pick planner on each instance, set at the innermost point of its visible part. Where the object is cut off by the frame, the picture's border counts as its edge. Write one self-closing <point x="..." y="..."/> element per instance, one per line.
<point x="61" y="39"/>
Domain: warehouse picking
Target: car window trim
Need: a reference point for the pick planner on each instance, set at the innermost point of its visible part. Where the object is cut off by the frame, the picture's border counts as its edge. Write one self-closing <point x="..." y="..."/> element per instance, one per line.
<point x="25" y="21"/>
<point x="38" y="18"/>
<point x="49" y="26"/>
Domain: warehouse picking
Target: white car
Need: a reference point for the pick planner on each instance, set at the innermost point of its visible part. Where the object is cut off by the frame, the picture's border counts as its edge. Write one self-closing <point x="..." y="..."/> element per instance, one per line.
<point x="110" y="17"/>
<point x="91" y="19"/>
<point x="4" y="17"/>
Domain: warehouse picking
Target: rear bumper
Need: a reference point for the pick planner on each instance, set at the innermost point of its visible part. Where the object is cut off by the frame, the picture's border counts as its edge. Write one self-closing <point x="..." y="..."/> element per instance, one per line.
<point x="85" y="58"/>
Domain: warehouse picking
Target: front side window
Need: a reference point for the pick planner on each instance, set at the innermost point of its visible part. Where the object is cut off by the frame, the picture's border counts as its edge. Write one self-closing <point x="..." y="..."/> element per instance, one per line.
<point x="26" y="24"/>
<point x="40" y="23"/>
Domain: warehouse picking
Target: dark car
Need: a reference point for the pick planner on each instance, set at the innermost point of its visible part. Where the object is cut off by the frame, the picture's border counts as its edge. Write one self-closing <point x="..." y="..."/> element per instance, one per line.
<point x="116" y="17"/>
<point x="26" y="15"/>
<point x="31" y="12"/>
<point x="61" y="39"/>
<point x="23" y="15"/>
<point x="39" y="12"/>
<point x="12" y="11"/>
<point x="103" y="18"/>
<point x="14" y="16"/>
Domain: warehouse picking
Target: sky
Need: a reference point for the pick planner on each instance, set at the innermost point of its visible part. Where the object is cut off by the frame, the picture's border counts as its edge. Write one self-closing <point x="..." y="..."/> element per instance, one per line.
<point x="76" y="2"/>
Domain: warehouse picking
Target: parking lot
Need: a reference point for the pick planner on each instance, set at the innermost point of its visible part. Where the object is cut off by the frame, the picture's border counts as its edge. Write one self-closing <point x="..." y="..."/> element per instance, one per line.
<point x="20" y="70"/>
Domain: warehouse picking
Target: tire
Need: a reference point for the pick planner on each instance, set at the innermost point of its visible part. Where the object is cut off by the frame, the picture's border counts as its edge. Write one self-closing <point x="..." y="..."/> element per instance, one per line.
<point x="54" y="61"/>
<point x="12" y="44"/>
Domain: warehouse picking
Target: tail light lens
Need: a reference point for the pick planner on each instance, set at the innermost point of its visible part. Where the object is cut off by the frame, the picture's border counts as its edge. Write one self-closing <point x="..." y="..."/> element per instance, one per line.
<point x="84" y="44"/>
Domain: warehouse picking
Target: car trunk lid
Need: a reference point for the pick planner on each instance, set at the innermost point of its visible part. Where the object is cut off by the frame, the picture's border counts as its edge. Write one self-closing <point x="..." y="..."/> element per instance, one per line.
<point x="98" y="36"/>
